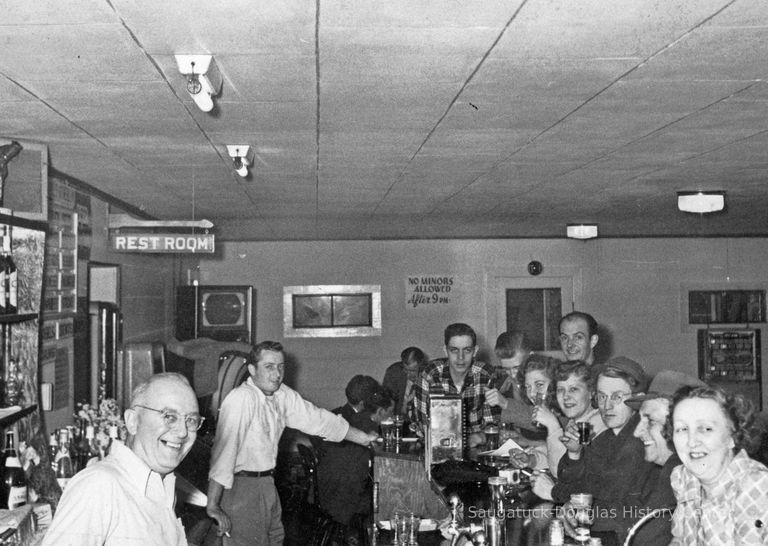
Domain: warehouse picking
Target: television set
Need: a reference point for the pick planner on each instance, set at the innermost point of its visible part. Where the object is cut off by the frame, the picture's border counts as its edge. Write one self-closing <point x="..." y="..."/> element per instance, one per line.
<point x="220" y="312"/>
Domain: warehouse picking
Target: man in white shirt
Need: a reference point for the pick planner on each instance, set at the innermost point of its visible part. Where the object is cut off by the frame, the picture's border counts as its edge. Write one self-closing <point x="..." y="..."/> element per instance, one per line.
<point x="127" y="499"/>
<point x="242" y="497"/>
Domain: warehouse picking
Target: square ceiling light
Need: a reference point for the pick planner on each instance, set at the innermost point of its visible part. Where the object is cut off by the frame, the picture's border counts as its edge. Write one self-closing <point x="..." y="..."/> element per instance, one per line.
<point x="700" y="202"/>
<point x="581" y="231"/>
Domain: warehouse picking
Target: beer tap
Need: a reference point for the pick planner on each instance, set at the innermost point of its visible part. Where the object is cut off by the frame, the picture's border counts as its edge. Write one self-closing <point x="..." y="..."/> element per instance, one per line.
<point x="455" y="530"/>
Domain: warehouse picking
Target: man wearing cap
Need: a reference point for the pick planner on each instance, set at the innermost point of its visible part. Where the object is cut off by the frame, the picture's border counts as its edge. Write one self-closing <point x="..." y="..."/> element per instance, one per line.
<point x="656" y="492"/>
<point x="611" y="466"/>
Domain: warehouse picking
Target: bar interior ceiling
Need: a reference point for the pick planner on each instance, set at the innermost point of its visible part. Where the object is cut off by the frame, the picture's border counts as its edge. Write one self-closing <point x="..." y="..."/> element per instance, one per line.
<point x="402" y="119"/>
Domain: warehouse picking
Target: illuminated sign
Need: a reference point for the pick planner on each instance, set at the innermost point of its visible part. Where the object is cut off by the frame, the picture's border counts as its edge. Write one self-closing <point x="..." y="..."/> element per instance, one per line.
<point x="163" y="243"/>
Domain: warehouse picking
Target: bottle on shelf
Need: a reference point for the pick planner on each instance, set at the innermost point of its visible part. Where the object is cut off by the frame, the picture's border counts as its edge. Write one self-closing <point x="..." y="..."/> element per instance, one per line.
<point x="53" y="449"/>
<point x="82" y="451"/>
<point x="12" y="389"/>
<point x="10" y="275"/>
<point x="13" y="482"/>
<point x="64" y="466"/>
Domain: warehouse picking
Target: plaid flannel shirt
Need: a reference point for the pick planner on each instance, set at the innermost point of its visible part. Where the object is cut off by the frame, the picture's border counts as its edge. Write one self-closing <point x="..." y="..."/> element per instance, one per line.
<point x="734" y="512"/>
<point x="437" y="375"/>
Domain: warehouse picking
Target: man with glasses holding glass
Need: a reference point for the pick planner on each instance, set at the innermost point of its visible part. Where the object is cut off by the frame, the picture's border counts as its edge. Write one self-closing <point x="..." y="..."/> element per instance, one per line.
<point x="242" y="496"/>
<point x="611" y="467"/>
<point x="128" y="498"/>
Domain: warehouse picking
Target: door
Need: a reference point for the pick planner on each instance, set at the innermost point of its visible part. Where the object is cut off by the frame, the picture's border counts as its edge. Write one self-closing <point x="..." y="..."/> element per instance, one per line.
<point x="533" y="305"/>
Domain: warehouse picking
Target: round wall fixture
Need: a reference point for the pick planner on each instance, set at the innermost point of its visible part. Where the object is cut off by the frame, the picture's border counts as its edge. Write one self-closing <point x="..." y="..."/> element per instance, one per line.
<point x="535" y="267"/>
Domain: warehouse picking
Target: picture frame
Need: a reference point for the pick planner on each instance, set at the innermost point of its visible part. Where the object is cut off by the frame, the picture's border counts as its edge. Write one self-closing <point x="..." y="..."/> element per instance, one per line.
<point x="332" y="310"/>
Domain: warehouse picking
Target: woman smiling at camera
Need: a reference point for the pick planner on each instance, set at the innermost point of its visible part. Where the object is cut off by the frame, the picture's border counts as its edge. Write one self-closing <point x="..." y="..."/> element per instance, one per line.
<point x="722" y="494"/>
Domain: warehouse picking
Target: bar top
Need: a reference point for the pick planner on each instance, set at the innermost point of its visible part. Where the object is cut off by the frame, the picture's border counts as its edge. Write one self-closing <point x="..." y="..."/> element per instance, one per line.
<point x="412" y="451"/>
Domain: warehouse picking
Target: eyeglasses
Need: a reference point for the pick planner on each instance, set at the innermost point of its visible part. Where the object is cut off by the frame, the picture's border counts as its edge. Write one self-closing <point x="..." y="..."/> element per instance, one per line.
<point x="616" y="397"/>
<point x="171" y="418"/>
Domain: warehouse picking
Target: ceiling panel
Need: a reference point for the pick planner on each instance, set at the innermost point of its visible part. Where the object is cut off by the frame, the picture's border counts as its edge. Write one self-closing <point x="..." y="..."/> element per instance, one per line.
<point x="481" y="118"/>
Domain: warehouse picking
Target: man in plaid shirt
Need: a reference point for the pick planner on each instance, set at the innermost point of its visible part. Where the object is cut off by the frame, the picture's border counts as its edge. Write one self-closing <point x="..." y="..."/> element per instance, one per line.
<point x="459" y="373"/>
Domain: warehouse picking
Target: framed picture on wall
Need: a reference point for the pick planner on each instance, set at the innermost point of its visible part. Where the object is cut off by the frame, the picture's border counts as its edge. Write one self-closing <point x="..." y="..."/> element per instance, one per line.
<point x="332" y="310"/>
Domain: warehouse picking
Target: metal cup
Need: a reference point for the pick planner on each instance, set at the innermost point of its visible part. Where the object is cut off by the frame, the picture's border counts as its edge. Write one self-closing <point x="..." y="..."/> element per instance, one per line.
<point x="585" y="432"/>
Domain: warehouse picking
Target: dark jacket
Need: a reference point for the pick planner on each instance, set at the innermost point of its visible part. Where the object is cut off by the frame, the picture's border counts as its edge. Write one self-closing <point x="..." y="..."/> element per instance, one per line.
<point x="612" y="468"/>
<point x="656" y="492"/>
<point x="343" y="471"/>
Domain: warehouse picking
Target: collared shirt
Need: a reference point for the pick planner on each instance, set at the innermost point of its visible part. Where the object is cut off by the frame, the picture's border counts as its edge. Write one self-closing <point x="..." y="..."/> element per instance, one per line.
<point x="250" y="425"/>
<point x="437" y="375"/>
<point x="733" y="512"/>
<point x="117" y="502"/>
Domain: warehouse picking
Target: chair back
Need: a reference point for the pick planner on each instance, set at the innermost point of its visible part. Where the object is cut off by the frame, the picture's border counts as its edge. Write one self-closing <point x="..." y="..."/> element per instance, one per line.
<point x="310" y="461"/>
<point x="233" y="371"/>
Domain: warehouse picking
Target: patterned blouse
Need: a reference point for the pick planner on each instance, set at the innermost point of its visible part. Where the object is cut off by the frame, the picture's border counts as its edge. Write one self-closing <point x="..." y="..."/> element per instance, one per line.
<point x="734" y="512"/>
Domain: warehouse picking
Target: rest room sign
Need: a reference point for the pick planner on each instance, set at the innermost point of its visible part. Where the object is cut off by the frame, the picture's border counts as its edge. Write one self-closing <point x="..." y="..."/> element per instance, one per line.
<point x="168" y="243"/>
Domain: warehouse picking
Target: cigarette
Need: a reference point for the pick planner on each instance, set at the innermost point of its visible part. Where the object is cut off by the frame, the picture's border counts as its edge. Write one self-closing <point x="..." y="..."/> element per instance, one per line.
<point x="226" y="534"/>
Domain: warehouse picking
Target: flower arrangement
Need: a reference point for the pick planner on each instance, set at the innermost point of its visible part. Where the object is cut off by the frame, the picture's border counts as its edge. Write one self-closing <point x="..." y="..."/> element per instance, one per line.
<point x="106" y="421"/>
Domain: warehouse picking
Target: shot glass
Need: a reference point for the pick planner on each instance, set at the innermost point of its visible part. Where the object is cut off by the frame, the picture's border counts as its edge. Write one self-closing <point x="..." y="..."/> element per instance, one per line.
<point x="585" y="432"/>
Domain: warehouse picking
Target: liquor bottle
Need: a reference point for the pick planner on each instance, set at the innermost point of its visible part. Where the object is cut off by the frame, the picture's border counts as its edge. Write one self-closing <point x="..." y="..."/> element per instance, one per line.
<point x="10" y="275"/>
<point x="53" y="449"/>
<point x="64" y="468"/>
<point x="12" y="388"/>
<point x="13" y="485"/>
<point x="82" y="450"/>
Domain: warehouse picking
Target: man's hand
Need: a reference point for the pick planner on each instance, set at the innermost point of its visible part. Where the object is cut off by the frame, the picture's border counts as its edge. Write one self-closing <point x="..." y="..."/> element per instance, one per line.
<point x="570" y="438"/>
<point x="520" y="459"/>
<point x="222" y="519"/>
<point x="494" y="398"/>
<point x="357" y="436"/>
<point x="542" y="484"/>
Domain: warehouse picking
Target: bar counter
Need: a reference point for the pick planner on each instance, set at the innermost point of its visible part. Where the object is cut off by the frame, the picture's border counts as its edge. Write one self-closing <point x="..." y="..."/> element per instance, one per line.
<point x="402" y="483"/>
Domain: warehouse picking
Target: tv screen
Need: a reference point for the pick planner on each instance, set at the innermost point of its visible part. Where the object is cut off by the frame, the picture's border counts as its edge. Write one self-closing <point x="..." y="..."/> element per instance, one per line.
<point x="223" y="309"/>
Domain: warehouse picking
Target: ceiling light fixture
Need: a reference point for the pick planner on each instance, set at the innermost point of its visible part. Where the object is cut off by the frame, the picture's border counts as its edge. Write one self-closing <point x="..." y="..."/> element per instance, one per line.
<point x="700" y="202"/>
<point x="203" y="78"/>
<point x="581" y="231"/>
<point x="242" y="157"/>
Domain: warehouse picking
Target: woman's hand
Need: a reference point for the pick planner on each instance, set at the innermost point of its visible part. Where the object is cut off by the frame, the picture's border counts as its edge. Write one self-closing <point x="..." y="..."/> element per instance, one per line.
<point x="544" y="416"/>
<point x="570" y="439"/>
<point x="494" y="398"/>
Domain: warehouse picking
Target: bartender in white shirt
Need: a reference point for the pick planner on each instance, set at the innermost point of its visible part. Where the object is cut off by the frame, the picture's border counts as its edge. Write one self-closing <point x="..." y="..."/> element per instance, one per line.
<point x="242" y="497"/>
<point x="127" y="499"/>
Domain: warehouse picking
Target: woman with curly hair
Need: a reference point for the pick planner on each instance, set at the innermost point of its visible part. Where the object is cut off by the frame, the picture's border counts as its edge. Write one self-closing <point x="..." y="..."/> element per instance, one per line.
<point x="722" y="494"/>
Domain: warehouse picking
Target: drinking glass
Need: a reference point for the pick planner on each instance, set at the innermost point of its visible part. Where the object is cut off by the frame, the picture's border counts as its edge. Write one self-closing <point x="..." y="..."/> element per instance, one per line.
<point x="585" y="432"/>
<point x="402" y="523"/>
<point x="388" y="434"/>
<point x="491" y="437"/>
<point x="582" y="507"/>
